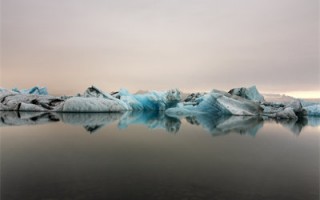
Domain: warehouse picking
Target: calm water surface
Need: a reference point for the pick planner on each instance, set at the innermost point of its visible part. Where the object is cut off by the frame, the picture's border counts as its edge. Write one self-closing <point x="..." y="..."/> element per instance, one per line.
<point x="151" y="156"/>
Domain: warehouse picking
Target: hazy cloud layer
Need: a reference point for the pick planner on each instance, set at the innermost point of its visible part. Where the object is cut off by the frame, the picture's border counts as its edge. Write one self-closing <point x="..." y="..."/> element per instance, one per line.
<point x="193" y="45"/>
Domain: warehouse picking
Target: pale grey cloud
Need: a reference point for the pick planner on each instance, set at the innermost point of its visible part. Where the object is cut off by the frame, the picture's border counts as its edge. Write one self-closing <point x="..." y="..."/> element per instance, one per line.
<point x="193" y="45"/>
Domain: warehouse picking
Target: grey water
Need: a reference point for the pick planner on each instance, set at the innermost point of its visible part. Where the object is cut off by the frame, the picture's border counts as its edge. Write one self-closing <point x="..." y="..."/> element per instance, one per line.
<point x="148" y="155"/>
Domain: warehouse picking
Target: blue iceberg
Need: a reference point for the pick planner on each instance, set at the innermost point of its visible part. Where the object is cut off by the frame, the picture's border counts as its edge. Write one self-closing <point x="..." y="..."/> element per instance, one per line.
<point x="216" y="103"/>
<point x="154" y="100"/>
<point x="250" y="93"/>
<point x="35" y="90"/>
<point x="313" y="110"/>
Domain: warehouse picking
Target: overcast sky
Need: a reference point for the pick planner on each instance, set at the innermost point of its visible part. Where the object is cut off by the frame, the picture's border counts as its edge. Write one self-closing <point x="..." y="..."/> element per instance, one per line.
<point x="68" y="45"/>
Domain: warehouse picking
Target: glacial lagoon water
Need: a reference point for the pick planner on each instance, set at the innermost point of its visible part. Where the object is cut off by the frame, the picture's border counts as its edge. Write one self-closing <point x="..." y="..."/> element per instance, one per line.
<point x="152" y="156"/>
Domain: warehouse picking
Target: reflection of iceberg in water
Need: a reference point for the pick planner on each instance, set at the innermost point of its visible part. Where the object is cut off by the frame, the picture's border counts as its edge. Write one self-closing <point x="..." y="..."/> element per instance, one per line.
<point x="294" y="125"/>
<point x="90" y="121"/>
<point x="93" y="121"/>
<point x="216" y="125"/>
<point x="12" y="118"/>
<point x="153" y="120"/>
<point x="314" y="121"/>
<point x="222" y="124"/>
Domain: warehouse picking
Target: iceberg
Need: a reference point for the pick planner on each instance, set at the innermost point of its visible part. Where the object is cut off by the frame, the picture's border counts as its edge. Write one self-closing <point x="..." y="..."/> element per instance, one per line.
<point x="92" y="100"/>
<point x="92" y="104"/>
<point x="154" y="100"/>
<point x="313" y="110"/>
<point x="291" y="110"/>
<point x="35" y="90"/>
<point x="250" y="93"/>
<point x="12" y="101"/>
<point x="238" y="102"/>
<point x="95" y="100"/>
<point x="216" y="103"/>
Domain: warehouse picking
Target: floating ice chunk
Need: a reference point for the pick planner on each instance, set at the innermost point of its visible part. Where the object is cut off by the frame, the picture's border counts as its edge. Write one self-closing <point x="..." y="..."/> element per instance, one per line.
<point x="29" y="102"/>
<point x="238" y="106"/>
<point x="291" y="110"/>
<point x="130" y="100"/>
<point x="287" y="113"/>
<point x="97" y="93"/>
<point x="93" y="100"/>
<point x="3" y="90"/>
<point x="296" y="106"/>
<point x="159" y="100"/>
<point x="35" y="90"/>
<point x="313" y="110"/>
<point x="272" y="107"/>
<point x="152" y="100"/>
<point x="241" y="101"/>
<point x="217" y="103"/>
<point x="148" y="101"/>
<point x="92" y="104"/>
<point x="250" y="93"/>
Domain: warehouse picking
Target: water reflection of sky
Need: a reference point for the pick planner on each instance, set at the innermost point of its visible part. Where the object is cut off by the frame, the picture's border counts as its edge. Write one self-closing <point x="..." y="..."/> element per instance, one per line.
<point x="215" y="125"/>
<point x="129" y="156"/>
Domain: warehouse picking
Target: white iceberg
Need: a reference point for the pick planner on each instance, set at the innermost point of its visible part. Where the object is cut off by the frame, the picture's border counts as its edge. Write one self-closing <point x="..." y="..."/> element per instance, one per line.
<point x="10" y="101"/>
<point x="92" y="104"/>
